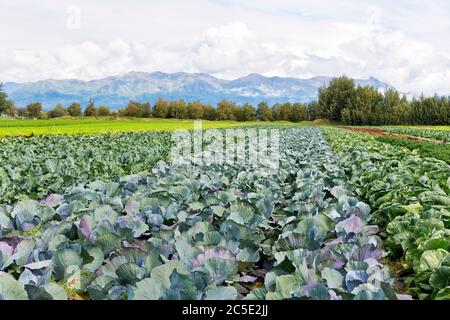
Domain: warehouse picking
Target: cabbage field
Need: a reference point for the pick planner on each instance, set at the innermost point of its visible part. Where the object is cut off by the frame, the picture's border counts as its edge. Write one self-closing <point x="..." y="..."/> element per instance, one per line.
<point x="438" y="135"/>
<point x="109" y="217"/>
<point x="33" y="168"/>
<point x="409" y="196"/>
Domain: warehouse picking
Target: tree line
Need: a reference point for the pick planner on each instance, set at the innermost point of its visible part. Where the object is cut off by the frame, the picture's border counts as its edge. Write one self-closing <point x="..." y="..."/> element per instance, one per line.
<point x="177" y="109"/>
<point x="341" y="100"/>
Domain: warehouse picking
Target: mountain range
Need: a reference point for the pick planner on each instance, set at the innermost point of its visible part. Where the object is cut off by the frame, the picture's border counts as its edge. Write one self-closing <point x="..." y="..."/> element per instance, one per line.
<point x="116" y="91"/>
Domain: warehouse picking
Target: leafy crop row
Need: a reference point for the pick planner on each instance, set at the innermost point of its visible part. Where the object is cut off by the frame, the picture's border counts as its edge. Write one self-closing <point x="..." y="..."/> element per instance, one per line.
<point x="200" y="232"/>
<point x="441" y="135"/>
<point x="33" y="167"/>
<point x="426" y="149"/>
<point x="411" y="196"/>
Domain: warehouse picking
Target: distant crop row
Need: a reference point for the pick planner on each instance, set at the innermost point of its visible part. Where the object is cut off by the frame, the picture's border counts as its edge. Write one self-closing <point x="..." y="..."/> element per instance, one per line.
<point x="436" y="150"/>
<point x="441" y="135"/>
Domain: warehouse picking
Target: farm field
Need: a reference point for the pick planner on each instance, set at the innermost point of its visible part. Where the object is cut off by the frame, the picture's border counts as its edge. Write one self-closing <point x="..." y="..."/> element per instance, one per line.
<point x="426" y="142"/>
<point x="106" y="125"/>
<point x="33" y="167"/>
<point x="425" y="149"/>
<point x="108" y="216"/>
<point x="409" y="196"/>
<point x="437" y="133"/>
<point x="225" y="159"/>
<point x="222" y="232"/>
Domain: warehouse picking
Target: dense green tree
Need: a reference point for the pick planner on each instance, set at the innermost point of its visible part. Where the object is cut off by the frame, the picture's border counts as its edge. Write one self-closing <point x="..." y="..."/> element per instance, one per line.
<point x="342" y="101"/>
<point x="131" y="110"/>
<point x="226" y="110"/>
<point x="246" y="113"/>
<point x="312" y="110"/>
<point x="3" y="100"/>
<point x="264" y="113"/>
<point x="195" y="110"/>
<point x="103" y="111"/>
<point x="58" y="111"/>
<point x="161" y="109"/>
<point x="334" y="97"/>
<point x="395" y="107"/>
<point x="209" y="112"/>
<point x="276" y="112"/>
<point x="298" y="112"/>
<point x="360" y="108"/>
<point x="137" y="110"/>
<point x="34" y="110"/>
<point x="91" y="109"/>
<point x="75" y="110"/>
<point x="172" y="109"/>
<point x="286" y="112"/>
<point x="430" y="110"/>
<point x="146" y="110"/>
<point x="180" y="109"/>
<point x="6" y="106"/>
<point x="10" y="108"/>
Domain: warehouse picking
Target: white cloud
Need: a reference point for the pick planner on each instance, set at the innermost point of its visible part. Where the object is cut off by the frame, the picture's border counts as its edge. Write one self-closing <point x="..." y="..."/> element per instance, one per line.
<point x="229" y="39"/>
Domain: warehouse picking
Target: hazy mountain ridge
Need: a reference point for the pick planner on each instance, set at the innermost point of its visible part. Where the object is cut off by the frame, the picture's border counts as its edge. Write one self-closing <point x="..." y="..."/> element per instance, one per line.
<point x="116" y="91"/>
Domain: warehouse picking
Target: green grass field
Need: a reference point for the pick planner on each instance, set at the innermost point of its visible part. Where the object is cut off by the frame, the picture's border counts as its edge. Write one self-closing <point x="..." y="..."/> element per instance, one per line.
<point x="67" y="125"/>
<point x="108" y="125"/>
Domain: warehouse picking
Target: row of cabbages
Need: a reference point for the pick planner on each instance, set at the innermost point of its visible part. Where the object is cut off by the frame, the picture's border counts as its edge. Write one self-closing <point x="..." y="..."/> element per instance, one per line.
<point x="200" y="232"/>
<point x="35" y="167"/>
<point x="410" y="196"/>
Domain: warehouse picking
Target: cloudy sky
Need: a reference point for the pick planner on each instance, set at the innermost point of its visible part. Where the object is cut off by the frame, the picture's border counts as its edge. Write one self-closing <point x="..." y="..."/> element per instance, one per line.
<point x="405" y="43"/>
